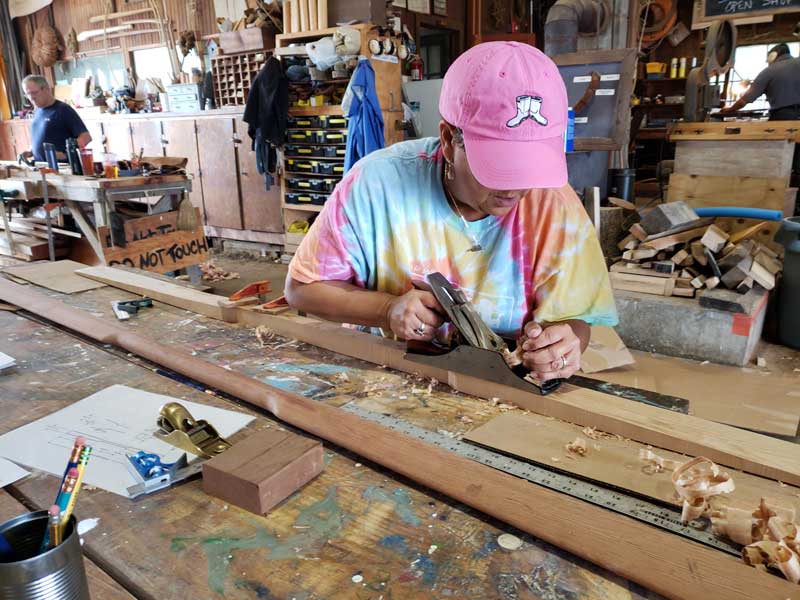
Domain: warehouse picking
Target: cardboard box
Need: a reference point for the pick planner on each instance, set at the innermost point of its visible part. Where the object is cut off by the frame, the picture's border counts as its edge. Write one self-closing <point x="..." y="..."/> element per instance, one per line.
<point x="261" y="471"/>
<point x="246" y="40"/>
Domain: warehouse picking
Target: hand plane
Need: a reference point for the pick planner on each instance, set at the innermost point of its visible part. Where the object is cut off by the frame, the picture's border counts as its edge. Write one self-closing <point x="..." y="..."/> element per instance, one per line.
<point x="479" y="351"/>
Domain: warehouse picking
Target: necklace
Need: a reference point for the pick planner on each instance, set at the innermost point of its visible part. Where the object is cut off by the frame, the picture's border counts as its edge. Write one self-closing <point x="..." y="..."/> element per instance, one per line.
<point x="476" y="246"/>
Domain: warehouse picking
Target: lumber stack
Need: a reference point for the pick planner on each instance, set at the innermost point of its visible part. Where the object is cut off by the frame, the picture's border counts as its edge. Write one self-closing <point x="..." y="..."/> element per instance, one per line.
<point x="29" y="239"/>
<point x="673" y="252"/>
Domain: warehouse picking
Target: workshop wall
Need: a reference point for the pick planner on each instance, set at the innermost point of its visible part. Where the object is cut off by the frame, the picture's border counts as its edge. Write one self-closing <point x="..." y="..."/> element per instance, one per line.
<point x="68" y="14"/>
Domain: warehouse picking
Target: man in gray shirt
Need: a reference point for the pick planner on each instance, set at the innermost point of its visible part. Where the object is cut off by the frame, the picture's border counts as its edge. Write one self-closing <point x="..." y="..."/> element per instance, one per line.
<point x="780" y="81"/>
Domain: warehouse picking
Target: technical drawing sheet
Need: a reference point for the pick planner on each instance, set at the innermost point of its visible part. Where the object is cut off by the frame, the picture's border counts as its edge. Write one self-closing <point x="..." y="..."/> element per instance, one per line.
<point x="116" y="421"/>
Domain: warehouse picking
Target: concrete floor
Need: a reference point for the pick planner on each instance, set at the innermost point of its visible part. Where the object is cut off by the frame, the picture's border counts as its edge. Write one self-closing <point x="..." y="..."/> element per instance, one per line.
<point x="779" y="359"/>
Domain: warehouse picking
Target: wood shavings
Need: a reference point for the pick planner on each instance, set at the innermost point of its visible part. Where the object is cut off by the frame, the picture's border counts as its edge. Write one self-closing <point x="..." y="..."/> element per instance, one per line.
<point x="212" y="273"/>
<point x="264" y="335"/>
<point x="342" y="376"/>
<point x="696" y="481"/>
<point x="512" y="358"/>
<point x="465" y="419"/>
<point x="656" y="463"/>
<point x="773" y="554"/>
<point x="596" y="434"/>
<point x="577" y="446"/>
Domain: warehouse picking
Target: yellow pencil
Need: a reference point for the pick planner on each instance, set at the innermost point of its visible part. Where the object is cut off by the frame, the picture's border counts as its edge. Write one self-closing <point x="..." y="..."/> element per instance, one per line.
<point x="85" y="453"/>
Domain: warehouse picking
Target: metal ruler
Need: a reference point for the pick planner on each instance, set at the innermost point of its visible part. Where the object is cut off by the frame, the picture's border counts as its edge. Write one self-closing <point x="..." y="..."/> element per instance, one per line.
<point x="648" y="512"/>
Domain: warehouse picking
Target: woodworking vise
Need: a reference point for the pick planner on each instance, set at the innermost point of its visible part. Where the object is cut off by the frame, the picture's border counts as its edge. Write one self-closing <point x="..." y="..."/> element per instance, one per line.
<point x="476" y="350"/>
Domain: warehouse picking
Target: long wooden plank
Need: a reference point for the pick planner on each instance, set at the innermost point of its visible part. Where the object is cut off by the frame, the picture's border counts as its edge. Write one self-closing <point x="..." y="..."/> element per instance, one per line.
<point x="612" y="460"/>
<point x="743" y="450"/>
<point x="168" y="293"/>
<point x="721" y="393"/>
<point x="662" y="562"/>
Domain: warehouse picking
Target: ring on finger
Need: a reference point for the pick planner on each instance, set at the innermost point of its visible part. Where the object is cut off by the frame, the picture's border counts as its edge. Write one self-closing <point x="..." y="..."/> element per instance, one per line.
<point x="420" y="330"/>
<point x="563" y="362"/>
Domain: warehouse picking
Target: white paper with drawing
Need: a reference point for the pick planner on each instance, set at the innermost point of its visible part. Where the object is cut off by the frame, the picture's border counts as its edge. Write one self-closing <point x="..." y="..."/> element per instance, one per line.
<point x="115" y="421"/>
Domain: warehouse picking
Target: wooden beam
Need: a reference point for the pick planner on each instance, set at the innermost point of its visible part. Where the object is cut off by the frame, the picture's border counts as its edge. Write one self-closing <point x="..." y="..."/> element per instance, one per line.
<point x="117" y="15"/>
<point x="743" y="450"/>
<point x="660" y="561"/>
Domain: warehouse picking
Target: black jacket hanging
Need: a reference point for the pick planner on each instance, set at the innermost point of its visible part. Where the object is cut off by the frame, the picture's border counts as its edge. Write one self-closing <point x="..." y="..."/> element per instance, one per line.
<point x="266" y="114"/>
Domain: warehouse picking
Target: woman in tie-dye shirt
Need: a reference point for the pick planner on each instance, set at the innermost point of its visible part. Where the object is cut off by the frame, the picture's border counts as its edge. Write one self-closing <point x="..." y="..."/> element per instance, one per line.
<point x="486" y="204"/>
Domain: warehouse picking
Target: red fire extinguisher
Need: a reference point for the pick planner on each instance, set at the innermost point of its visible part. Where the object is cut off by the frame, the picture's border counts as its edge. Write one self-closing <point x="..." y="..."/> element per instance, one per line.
<point x="417" y="68"/>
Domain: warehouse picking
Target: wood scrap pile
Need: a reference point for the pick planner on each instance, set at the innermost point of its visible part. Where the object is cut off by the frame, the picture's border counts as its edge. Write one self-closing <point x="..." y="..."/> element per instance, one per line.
<point x="264" y="15"/>
<point x="212" y="272"/>
<point x="673" y="252"/>
<point x="26" y="239"/>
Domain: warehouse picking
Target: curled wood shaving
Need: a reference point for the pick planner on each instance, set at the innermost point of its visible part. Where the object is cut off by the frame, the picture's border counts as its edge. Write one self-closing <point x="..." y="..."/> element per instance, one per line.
<point x="264" y="334"/>
<point x="577" y="446"/>
<point x="769" y="553"/>
<point x="596" y="434"/>
<point x="655" y="463"/>
<point x="513" y="358"/>
<point x="769" y="534"/>
<point x="696" y="481"/>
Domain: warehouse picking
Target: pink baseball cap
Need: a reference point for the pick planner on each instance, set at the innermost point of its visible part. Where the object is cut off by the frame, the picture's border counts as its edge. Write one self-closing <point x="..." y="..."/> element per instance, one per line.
<point x="509" y="100"/>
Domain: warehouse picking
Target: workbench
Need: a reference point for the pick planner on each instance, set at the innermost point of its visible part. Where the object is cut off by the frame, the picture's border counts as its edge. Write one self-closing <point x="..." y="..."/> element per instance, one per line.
<point x="152" y="243"/>
<point x="357" y="531"/>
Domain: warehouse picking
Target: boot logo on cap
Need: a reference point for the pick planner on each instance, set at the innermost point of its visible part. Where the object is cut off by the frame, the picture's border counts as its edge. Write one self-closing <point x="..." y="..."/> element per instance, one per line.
<point x="528" y="107"/>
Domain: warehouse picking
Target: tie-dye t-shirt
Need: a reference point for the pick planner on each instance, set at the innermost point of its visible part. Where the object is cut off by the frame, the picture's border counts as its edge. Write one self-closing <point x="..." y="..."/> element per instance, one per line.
<point x="388" y="223"/>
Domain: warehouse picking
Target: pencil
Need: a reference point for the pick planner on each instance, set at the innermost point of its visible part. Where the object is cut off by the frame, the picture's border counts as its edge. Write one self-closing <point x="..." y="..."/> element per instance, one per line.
<point x="74" y="456"/>
<point x="67" y="488"/>
<point x="54" y="526"/>
<point x="67" y="513"/>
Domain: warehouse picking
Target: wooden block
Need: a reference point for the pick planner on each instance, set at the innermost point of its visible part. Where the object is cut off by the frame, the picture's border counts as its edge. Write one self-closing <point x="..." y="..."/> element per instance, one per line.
<point x="737" y="274"/>
<point x="712" y="262"/>
<point x="642" y="253"/>
<point x="683" y="292"/>
<point x="712" y="282"/>
<point x="263" y="470"/>
<point x="668" y="241"/>
<point x="714" y="238"/>
<point x="637" y="269"/>
<point x="660" y="286"/>
<point x="698" y="281"/>
<point x="730" y="301"/>
<point x="698" y="254"/>
<point x="733" y="258"/>
<point x="681" y="257"/>
<point x="762" y="276"/>
<point x="664" y="266"/>
<point x="624" y="242"/>
<point x="745" y="286"/>
<point x="667" y="216"/>
<point x="622" y="203"/>
<point x="771" y="264"/>
<point x="638" y="232"/>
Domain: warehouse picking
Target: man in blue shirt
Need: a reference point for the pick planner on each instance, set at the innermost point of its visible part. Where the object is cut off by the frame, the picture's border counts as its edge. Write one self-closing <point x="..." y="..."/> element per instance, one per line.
<point x="53" y="121"/>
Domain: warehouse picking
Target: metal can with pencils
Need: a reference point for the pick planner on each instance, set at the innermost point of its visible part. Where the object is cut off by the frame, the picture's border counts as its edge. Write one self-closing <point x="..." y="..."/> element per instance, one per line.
<point x="27" y="573"/>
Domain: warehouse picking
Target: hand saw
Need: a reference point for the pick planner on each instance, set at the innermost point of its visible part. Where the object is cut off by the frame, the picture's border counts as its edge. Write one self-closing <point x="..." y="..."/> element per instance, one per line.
<point x="482" y="352"/>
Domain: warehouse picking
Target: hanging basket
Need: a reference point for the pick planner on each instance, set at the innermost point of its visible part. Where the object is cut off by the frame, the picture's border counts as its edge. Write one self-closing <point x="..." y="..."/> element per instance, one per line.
<point x="46" y="46"/>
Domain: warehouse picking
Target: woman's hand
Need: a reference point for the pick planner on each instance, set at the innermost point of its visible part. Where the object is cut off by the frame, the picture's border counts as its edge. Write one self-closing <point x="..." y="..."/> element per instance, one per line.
<point x="412" y="316"/>
<point x="551" y="352"/>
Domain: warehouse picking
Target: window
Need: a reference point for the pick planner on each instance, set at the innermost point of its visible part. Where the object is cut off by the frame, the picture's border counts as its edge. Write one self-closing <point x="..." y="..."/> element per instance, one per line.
<point x="107" y="71"/>
<point x="155" y="63"/>
<point x="749" y="61"/>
